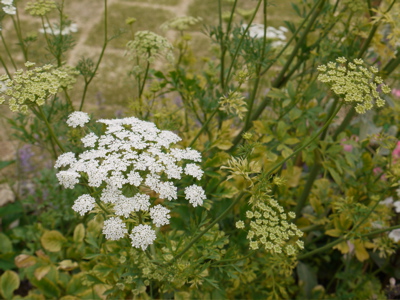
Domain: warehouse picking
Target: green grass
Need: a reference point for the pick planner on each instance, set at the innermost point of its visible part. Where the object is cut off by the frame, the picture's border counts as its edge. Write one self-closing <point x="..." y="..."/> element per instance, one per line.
<point x="147" y="19"/>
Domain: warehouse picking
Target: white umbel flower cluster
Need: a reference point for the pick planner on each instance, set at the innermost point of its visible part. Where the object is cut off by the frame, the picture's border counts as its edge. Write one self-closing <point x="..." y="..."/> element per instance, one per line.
<point x="131" y="165"/>
<point x="9" y="7"/>
<point x="78" y="118"/>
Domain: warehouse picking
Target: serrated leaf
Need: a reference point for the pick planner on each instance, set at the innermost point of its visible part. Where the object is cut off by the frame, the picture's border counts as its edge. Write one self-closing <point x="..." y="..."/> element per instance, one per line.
<point x="5" y="244"/>
<point x="79" y="233"/>
<point x="9" y="282"/>
<point x="52" y="240"/>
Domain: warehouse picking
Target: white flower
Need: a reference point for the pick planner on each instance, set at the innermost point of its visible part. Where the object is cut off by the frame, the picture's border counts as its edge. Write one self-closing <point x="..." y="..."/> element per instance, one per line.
<point x="397" y="206"/>
<point x="134" y="178"/>
<point x="124" y="206"/>
<point x="195" y="194"/>
<point x="194" y="170"/>
<point x="65" y="159"/>
<point x="7" y="2"/>
<point x="114" y="229"/>
<point x="388" y="202"/>
<point x="132" y="160"/>
<point x="395" y="235"/>
<point x="257" y="31"/>
<point x="78" y="118"/>
<point x="142" y="236"/>
<point x="55" y="29"/>
<point x="160" y="215"/>
<point x="10" y="10"/>
<point x="84" y="204"/>
<point x="68" y="179"/>
<point x="142" y="202"/>
<point x="89" y="140"/>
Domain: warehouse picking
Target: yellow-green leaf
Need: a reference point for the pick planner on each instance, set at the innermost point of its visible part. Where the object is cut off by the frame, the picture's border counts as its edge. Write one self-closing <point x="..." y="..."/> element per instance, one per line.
<point x="79" y="233"/>
<point x="67" y="265"/>
<point x="41" y="272"/>
<point x="52" y="240"/>
<point x="9" y="282"/>
<point x="333" y="232"/>
<point x="24" y="260"/>
<point x="361" y="252"/>
<point x="5" y="244"/>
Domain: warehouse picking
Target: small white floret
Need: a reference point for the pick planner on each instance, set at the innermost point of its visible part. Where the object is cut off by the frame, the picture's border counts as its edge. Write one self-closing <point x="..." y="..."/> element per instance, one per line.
<point x="142" y="236"/>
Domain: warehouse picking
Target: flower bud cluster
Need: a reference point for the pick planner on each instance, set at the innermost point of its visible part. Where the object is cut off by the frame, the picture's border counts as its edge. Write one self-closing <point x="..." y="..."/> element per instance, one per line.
<point x="40" y="7"/>
<point x="33" y="86"/>
<point x="181" y="23"/>
<point x="149" y="46"/>
<point x="354" y="82"/>
<point x="234" y="103"/>
<point x="129" y="165"/>
<point x="269" y="227"/>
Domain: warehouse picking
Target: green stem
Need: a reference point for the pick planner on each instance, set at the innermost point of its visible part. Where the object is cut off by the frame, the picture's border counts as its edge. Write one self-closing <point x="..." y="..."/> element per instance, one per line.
<point x="339" y="240"/>
<point x="306" y="144"/>
<point x="198" y="236"/>
<point x="315" y="168"/>
<point x="224" y="39"/>
<point x="301" y="41"/>
<point x="244" y="34"/>
<point x="281" y="79"/>
<point x="103" y="49"/>
<point x="51" y="131"/>
<point x="291" y="39"/>
<point x="5" y="67"/>
<point x="21" y="41"/>
<point x="144" y="79"/>
<point x="204" y="127"/>
<point x="8" y="50"/>
<point x="255" y="88"/>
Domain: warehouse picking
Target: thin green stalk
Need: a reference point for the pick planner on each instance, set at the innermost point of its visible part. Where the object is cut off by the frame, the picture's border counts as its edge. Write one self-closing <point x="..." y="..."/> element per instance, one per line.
<point x="367" y="42"/>
<point x="21" y="41"/>
<point x="103" y="49"/>
<point x="281" y="79"/>
<point x="51" y="131"/>
<point x="339" y="240"/>
<point x="306" y="144"/>
<point x="146" y="73"/>
<point x="224" y="37"/>
<point x="291" y="39"/>
<point x="240" y="43"/>
<point x="256" y="84"/>
<point x="59" y="53"/>
<point x="8" y="50"/>
<point x="198" y="236"/>
<point x="5" y="67"/>
<point x="315" y="168"/>
<point x="301" y="41"/>
<point x="204" y="126"/>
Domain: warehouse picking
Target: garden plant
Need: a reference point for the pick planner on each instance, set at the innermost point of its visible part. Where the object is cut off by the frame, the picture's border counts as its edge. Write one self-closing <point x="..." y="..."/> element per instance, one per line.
<point x="247" y="159"/>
